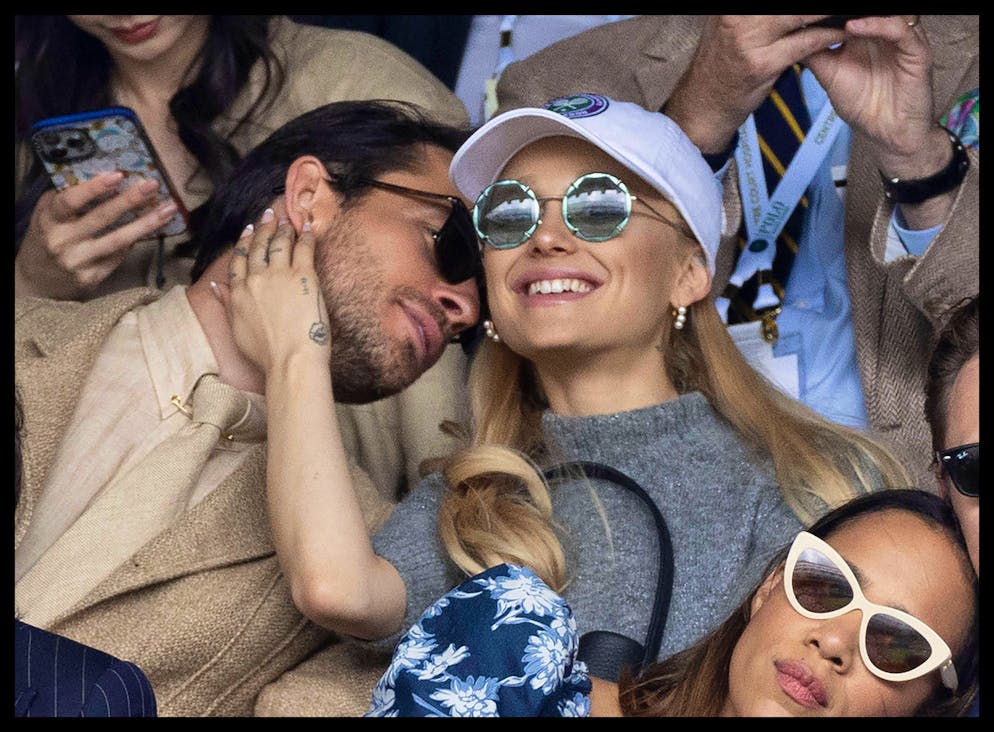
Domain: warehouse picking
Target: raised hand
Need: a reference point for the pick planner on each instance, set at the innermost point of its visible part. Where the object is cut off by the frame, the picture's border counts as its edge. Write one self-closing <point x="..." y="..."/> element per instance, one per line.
<point x="879" y="81"/>
<point x="273" y="297"/>
<point x="737" y="60"/>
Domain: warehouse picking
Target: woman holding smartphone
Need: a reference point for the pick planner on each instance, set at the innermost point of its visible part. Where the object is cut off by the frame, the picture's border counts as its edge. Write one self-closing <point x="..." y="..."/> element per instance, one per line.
<point x="206" y="89"/>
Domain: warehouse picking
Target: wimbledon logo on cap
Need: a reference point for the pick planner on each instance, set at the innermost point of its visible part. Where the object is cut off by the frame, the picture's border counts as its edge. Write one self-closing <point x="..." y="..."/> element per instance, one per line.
<point x="578" y="106"/>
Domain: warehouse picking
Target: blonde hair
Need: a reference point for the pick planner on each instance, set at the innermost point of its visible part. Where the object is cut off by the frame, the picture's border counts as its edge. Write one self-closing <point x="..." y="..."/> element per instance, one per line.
<point x="498" y="508"/>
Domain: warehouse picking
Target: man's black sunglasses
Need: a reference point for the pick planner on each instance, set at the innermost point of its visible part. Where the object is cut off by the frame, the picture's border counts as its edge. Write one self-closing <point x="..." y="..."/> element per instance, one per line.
<point x="962" y="465"/>
<point x="457" y="249"/>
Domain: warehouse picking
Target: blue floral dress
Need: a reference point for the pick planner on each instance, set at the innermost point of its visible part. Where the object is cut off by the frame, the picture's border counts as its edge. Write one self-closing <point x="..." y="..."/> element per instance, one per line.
<point x="501" y="644"/>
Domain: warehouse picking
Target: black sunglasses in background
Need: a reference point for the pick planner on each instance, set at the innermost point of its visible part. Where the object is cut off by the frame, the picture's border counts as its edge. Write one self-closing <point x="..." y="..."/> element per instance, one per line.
<point x="962" y="465"/>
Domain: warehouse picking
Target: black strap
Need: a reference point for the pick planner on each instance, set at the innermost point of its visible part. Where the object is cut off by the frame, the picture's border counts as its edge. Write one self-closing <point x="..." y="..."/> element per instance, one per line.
<point x="664" y="580"/>
<point x="606" y="653"/>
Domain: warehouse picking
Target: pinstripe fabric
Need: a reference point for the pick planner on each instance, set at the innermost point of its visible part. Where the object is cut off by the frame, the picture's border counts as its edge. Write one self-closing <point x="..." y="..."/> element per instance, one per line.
<point x="58" y="677"/>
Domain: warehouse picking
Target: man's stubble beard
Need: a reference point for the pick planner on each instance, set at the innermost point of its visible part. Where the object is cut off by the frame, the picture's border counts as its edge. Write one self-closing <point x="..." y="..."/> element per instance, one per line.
<point x="365" y="364"/>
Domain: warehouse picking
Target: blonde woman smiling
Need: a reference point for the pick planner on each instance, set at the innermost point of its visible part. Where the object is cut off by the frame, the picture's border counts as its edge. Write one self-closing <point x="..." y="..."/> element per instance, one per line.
<point x="599" y="223"/>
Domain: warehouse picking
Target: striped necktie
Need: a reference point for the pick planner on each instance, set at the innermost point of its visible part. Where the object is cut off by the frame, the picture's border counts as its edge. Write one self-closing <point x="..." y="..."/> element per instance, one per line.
<point x="781" y="123"/>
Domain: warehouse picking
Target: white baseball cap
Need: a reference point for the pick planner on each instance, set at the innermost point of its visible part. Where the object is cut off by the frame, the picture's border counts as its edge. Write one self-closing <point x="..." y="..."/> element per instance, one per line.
<point x="648" y="143"/>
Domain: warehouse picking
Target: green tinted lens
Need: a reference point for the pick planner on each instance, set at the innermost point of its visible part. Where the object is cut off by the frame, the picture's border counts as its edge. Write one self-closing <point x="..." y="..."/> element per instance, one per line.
<point x="505" y="214"/>
<point x="597" y="207"/>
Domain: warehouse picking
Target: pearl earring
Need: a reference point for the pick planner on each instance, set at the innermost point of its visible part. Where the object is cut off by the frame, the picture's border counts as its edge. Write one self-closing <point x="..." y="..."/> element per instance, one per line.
<point x="680" y="318"/>
<point x="490" y="330"/>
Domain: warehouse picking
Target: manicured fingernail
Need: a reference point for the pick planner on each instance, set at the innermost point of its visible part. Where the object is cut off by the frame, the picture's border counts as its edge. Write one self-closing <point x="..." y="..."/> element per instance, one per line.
<point x="166" y="209"/>
<point x="147" y="186"/>
<point x="306" y="226"/>
<point x="284" y="220"/>
<point x="267" y="216"/>
<point x="214" y="288"/>
<point x="247" y="230"/>
<point x="112" y="179"/>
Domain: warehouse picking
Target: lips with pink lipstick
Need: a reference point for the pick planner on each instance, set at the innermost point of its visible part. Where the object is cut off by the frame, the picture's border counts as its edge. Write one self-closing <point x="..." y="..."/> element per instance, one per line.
<point x="800" y="684"/>
<point x="136" y="33"/>
<point x="428" y="333"/>
<point x="550" y="286"/>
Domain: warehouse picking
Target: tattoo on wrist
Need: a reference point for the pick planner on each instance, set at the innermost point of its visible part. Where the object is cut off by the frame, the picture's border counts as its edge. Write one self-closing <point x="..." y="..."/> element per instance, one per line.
<point x="303" y="286"/>
<point x="241" y="251"/>
<point x="319" y="331"/>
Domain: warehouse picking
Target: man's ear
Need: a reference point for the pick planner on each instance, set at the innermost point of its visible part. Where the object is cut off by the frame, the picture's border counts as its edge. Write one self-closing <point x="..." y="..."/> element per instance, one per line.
<point x="305" y="188"/>
<point x="693" y="282"/>
<point x="763" y="593"/>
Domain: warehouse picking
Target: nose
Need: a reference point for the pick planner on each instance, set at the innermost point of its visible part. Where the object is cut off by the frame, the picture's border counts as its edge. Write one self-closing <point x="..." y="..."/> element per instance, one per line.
<point x="837" y="640"/>
<point x="460" y="302"/>
<point x="552" y="235"/>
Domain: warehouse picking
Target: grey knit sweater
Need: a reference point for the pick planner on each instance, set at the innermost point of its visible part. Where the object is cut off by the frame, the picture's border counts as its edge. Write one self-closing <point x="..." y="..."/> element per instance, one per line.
<point x="719" y="499"/>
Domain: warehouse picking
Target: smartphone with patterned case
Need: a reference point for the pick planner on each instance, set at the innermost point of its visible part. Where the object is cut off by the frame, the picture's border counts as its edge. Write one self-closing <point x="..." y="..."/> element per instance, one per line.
<point x="76" y="147"/>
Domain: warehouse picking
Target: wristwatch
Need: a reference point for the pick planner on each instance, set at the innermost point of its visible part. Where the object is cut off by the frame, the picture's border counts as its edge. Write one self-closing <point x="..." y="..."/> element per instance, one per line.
<point x="922" y="189"/>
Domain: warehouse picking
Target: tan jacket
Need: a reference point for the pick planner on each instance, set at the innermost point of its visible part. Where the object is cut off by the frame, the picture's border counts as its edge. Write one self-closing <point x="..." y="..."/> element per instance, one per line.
<point x="203" y="608"/>
<point x="391" y="437"/>
<point x="895" y="306"/>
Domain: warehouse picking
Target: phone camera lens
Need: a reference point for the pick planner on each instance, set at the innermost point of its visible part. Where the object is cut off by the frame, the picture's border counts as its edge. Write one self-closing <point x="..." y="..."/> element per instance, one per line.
<point x="58" y="153"/>
<point x="74" y="142"/>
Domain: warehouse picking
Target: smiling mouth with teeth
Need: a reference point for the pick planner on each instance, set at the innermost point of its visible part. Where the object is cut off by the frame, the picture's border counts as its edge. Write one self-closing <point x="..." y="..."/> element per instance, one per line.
<point x="551" y="287"/>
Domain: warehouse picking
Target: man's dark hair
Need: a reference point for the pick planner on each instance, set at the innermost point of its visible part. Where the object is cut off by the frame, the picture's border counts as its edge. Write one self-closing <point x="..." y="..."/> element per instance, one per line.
<point x="955" y="344"/>
<point x="354" y="139"/>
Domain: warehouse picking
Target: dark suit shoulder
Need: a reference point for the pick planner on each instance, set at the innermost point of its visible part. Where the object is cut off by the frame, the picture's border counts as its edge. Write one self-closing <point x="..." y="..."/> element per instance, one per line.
<point x="55" y="676"/>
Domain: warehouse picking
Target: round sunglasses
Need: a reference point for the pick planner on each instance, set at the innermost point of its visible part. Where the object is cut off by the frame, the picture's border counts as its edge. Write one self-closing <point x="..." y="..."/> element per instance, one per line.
<point x="962" y="465"/>
<point x="596" y="207"/>
<point x="894" y="645"/>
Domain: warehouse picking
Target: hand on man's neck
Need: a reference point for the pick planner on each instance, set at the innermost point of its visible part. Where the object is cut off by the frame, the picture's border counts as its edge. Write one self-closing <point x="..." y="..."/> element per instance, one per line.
<point x="234" y="368"/>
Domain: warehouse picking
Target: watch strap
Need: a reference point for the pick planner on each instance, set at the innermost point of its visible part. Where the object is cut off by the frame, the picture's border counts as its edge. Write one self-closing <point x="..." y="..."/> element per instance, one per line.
<point x="915" y="191"/>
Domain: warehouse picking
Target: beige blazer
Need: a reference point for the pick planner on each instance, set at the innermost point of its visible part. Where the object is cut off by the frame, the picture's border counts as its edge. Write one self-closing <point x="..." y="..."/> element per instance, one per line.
<point x="895" y="306"/>
<point x="203" y="608"/>
<point x="391" y="437"/>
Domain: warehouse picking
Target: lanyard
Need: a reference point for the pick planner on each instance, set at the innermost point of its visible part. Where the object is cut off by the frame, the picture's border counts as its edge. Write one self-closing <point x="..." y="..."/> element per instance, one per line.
<point x="505" y="55"/>
<point x="765" y="215"/>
